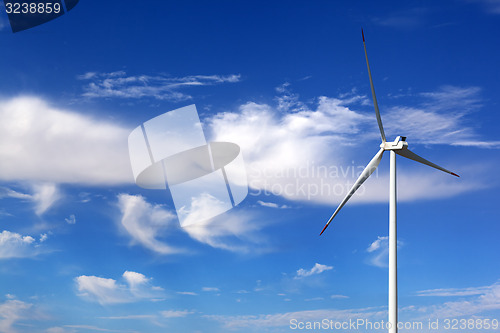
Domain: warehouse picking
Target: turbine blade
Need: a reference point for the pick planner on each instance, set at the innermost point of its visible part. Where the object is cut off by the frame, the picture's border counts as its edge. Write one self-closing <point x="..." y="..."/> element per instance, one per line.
<point x="412" y="156"/>
<point x="369" y="169"/>
<point x="375" y="104"/>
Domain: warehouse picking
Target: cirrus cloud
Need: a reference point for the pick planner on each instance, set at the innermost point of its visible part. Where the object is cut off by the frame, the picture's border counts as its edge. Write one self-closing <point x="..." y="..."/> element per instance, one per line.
<point x="163" y="87"/>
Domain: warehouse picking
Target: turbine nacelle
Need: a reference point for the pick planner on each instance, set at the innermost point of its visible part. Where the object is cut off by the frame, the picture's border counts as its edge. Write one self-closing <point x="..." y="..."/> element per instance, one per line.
<point x="399" y="143"/>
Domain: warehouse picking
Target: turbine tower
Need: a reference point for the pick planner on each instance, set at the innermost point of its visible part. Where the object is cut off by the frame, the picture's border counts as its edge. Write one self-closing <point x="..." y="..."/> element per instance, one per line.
<point x="399" y="147"/>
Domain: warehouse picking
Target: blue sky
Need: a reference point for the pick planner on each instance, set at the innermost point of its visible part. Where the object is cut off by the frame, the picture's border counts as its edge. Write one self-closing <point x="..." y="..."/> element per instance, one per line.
<point x="83" y="249"/>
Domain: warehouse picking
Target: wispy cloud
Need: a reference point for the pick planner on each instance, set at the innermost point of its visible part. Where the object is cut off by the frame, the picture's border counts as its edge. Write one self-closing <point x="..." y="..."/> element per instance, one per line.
<point x="406" y="19"/>
<point x="313" y="299"/>
<point x="43" y="196"/>
<point x="287" y="318"/>
<point x="150" y="225"/>
<point x="379" y="251"/>
<point x="456" y="292"/>
<point x="136" y="287"/>
<point x="490" y="6"/>
<point x="96" y="328"/>
<point x="132" y="317"/>
<point x="176" y="313"/>
<point x="71" y="219"/>
<point x="472" y="301"/>
<point x="287" y="100"/>
<point x="271" y="204"/>
<point x="10" y="193"/>
<point x="236" y="231"/>
<point x="120" y="85"/>
<point x="190" y="293"/>
<point x="441" y="118"/>
<point x="452" y="98"/>
<point x="316" y="269"/>
<point x="14" y="312"/>
<point x="145" y="222"/>
<point x="57" y="329"/>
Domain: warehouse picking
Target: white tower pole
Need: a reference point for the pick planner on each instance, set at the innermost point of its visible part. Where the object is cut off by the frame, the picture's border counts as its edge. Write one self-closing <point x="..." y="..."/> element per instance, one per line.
<point x="393" y="263"/>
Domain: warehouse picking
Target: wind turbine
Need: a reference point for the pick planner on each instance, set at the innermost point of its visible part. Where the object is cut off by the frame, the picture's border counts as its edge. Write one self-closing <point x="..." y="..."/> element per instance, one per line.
<point x="399" y="147"/>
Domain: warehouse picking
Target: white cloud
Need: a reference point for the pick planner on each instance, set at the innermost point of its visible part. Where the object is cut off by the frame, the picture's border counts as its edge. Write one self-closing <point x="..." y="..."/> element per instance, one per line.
<point x="236" y="231"/>
<point x="10" y="312"/>
<point x="271" y="204"/>
<point x="306" y="153"/>
<point x="379" y="250"/>
<point x="10" y="193"/>
<point x="190" y="293"/>
<point x="108" y="291"/>
<point x="95" y="328"/>
<point x="14" y="245"/>
<point x="455" y="292"/>
<point x="317" y="269"/>
<point x="210" y="289"/>
<point x="14" y="312"/>
<point x="317" y="154"/>
<point x="288" y="101"/>
<point x="57" y="329"/>
<point x="473" y="301"/>
<point x="486" y="302"/>
<point x="145" y="222"/>
<point x="175" y="313"/>
<point x="43" y="143"/>
<point x="284" y="319"/>
<point x="242" y="291"/>
<point x="140" y="286"/>
<point x="71" y="219"/>
<point x="441" y="118"/>
<point x="43" y="196"/>
<point x="102" y="290"/>
<point x="130" y="317"/>
<point x="135" y="279"/>
<point x="162" y="87"/>
<point x="202" y="205"/>
<point x="338" y="296"/>
<point x="268" y="204"/>
<point x="380" y="242"/>
<point x="456" y="99"/>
